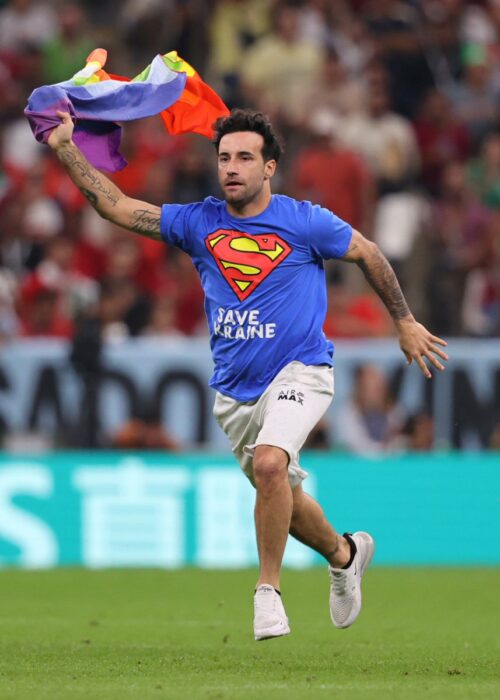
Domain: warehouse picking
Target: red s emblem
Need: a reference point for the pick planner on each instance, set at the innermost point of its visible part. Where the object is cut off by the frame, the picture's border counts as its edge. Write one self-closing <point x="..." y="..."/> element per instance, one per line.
<point x="245" y="261"/>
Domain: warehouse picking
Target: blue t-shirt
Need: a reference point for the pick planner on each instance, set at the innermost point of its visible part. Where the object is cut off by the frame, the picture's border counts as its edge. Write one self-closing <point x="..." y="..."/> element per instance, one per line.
<point x="264" y="284"/>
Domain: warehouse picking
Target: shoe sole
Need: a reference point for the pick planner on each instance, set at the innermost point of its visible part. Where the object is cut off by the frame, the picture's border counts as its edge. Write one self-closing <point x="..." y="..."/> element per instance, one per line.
<point x="270" y="634"/>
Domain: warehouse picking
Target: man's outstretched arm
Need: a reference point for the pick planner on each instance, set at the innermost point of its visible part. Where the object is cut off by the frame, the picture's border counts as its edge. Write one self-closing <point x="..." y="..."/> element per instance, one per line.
<point x="106" y="198"/>
<point x="414" y="339"/>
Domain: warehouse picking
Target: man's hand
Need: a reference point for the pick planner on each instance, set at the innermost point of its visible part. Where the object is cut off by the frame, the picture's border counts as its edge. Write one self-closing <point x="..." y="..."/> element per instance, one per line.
<point x="415" y="340"/>
<point x="63" y="133"/>
<point x="417" y="343"/>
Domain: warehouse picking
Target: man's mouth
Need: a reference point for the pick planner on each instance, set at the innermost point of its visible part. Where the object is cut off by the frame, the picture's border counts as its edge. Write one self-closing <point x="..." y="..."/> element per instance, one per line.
<point x="233" y="183"/>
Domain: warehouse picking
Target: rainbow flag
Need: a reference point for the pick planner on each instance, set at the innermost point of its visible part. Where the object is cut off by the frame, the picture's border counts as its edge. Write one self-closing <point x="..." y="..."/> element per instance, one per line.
<point x="97" y="100"/>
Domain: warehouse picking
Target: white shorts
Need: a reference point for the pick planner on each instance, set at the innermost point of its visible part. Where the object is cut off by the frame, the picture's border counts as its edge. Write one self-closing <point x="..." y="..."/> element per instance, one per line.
<point x="283" y="416"/>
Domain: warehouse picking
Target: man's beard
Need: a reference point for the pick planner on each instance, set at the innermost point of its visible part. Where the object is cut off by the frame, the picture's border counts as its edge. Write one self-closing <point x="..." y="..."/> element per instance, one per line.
<point x="238" y="201"/>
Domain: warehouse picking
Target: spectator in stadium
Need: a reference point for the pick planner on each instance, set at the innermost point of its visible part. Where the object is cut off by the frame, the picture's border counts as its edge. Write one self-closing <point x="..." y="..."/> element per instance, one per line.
<point x="148" y="27"/>
<point x="66" y="53"/>
<point x="354" y="314"/>
<point x="400" y="225"/>
<point x="384" y="138"/>
<point x="417" y="434"/>
<point x="105" y="323"/>
<point x="11" y="96"/>
<point x="329" y="91"/>
<point x="371" y="420"/>
<point x="273" y="364"/>
<point x="441" y="137"/>
<point x="123" y="271"/>
<point x="481" y="299"/>
<point x="144" y="431"/>
<point x="40" y="313"/>
<point x="476" y="98"/>
<point x="77" y="292"/>
<point x="387" y="142"/>
<point x="185" y="289"/>
<point x="279" y="62"/>
<point x="162" y="319"/>
<point x="400" y="44"/>
<point x="235" y="26"/>
<point x="192" y="179"/>
<point x="483" y="172"/>
<point x="26" y="25"/>
<point x="441" y="34"/>
<point x="9" y="323"/>
<point x="332" y="175"/>
<point x="351" y="39"/>
<point x="461" y="241"/>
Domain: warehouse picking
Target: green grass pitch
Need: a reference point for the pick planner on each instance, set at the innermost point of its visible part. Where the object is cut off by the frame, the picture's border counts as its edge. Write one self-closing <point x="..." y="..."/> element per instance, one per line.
<point x="76" y="634"/>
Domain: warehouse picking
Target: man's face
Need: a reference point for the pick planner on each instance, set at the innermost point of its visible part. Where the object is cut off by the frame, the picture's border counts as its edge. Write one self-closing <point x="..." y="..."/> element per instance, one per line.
<point x="241" y="168"/>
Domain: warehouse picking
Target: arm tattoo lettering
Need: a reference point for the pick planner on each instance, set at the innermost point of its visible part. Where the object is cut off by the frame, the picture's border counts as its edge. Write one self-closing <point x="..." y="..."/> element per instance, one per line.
<point x="106" y="198"/>
<point x="83" y="170"/>
<point x="381" y="276"/>
<point x="147" y="223"/>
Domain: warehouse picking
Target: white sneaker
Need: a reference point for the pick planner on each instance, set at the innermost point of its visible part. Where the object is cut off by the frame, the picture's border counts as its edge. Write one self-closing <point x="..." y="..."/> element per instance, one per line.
<point x="270" y="619"/>
<point x="345" y="584"/>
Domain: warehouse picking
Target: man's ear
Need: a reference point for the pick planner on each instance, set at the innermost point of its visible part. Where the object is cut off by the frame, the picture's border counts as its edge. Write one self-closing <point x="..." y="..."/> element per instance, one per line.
<point x="269" y="169"/>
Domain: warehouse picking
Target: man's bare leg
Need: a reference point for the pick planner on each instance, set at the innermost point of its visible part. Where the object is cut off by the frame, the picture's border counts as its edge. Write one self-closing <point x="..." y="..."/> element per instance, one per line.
<point x="273" y="510"/>
<point x="310" y="526"/>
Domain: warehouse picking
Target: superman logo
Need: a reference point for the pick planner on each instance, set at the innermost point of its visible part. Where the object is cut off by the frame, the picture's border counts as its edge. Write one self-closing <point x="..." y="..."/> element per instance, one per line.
<point x="245" y="261"/>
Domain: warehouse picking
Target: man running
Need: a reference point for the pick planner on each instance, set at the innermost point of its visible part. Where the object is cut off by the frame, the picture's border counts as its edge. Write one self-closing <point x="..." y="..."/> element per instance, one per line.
<point x="260" y="260"/>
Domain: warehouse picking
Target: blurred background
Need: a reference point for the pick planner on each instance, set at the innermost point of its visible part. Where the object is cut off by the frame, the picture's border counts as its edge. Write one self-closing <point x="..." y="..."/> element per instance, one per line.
<point x="390" y="114"/>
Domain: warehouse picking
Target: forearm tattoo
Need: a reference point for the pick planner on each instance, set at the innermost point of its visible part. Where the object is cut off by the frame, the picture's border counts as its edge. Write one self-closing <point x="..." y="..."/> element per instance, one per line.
<point x="103" y="195"/>
<point x="381" y="276"/>
<point x="89" y="195"/>
<point x="147" y="223"/>
<point x="94" y="186"/>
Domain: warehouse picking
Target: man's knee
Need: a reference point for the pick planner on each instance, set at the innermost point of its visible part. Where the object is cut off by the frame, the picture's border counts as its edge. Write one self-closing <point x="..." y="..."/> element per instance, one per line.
<point x="270" y="466"/>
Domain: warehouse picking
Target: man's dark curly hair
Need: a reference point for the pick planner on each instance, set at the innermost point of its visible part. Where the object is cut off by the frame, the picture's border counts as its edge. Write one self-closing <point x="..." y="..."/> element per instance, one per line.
<point x="248" y="120"/>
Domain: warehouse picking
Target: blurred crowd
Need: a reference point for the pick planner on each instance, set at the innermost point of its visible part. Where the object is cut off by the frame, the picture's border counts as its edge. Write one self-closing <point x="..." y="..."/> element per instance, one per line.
<point x="390" y="114"/>
<point x="374" y="422"/>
